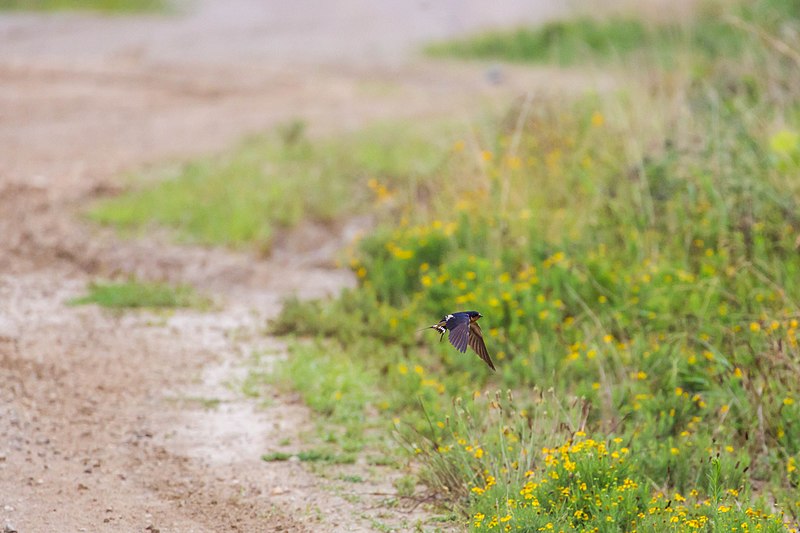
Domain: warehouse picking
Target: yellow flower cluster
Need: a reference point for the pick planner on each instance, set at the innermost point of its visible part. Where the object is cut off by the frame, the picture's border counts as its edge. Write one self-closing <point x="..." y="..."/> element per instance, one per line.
<point x="592" y="479"/>
<point x="382" y="193"/>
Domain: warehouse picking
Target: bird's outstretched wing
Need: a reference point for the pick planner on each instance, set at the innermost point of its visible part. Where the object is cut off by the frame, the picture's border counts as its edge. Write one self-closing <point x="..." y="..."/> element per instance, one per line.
<point x="459" y="332"/>
<point x="477" y="344"/>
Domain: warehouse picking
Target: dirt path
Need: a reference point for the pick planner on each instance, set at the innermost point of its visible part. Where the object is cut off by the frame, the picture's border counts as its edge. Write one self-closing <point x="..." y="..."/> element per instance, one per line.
<point x="103" y="424"/>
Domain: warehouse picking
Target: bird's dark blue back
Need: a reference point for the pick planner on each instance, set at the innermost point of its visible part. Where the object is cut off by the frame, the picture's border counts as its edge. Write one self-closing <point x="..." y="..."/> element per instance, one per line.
<point x="458" y="325"/>
<point x="456" y="319"/>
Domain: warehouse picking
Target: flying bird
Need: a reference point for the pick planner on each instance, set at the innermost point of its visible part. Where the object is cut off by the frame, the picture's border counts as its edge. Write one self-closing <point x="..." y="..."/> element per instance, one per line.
<point x="464" y="331"/>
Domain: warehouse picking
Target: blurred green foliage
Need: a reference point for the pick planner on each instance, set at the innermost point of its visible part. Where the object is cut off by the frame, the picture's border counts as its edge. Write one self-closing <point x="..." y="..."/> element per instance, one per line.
<point x="710" y="34"/>
<point x="111" y="6"/>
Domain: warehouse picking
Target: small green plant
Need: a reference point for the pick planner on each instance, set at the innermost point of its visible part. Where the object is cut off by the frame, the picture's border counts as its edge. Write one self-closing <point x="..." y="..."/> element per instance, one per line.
<point x="293" y="132"/>
<point x="135" y="294"/>
<point x="276" y="456"/>
<point x="325" y="456"/>
<point x="405" y="486"/>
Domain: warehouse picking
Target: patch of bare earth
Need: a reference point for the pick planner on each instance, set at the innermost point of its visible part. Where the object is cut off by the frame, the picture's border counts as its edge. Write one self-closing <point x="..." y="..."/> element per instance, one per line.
<point x="133" y="421"/>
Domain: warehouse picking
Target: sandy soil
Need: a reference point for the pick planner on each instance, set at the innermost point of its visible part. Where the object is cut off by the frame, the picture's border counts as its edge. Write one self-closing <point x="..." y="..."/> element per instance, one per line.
<point x="102" y="419"/>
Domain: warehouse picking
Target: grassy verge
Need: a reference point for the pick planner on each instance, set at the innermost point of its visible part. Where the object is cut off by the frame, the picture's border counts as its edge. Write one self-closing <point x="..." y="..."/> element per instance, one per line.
<point x="109" y="6"/>
<point x="135" y="294"/>
<point x="635" y="255"/>
<point x="270" y="183"/>
<point x="712" y="33"/>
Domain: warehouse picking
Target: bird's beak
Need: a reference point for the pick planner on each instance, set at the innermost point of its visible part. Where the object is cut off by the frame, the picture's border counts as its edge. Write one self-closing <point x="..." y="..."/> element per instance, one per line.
<point x="480" y="315"/>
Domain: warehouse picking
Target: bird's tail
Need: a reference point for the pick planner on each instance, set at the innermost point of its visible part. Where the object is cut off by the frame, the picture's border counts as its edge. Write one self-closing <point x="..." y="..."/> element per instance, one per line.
<point x="439" y="328"/>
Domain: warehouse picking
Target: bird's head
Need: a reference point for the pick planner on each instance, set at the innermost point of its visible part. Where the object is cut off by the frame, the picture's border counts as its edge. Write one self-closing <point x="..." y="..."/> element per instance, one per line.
<point x="474" y="315"/>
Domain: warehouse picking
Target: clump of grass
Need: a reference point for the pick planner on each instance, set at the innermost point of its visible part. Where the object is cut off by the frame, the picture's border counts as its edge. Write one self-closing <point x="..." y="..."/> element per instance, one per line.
<point x="110" y="6"/>
<point x="135" y="294"/>
<point x="311" y="456"/>
<point x="276" y="456"/>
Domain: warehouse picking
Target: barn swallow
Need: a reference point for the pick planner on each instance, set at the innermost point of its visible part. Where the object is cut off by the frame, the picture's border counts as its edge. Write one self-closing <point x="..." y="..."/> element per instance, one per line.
<point x="464" y="330"/>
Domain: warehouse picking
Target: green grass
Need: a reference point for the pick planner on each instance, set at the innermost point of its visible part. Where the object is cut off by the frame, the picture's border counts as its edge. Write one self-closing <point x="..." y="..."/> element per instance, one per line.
<point x="568" y="42"/>
<point x="563" y="42"/>
<point x="135" y="294"/>
<point x="276" y="456"/>
<point x="110" y="6"/>
<point x="271" y="183"/>
<point x="312" y="456"/>
<point x="635" y="254"/>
